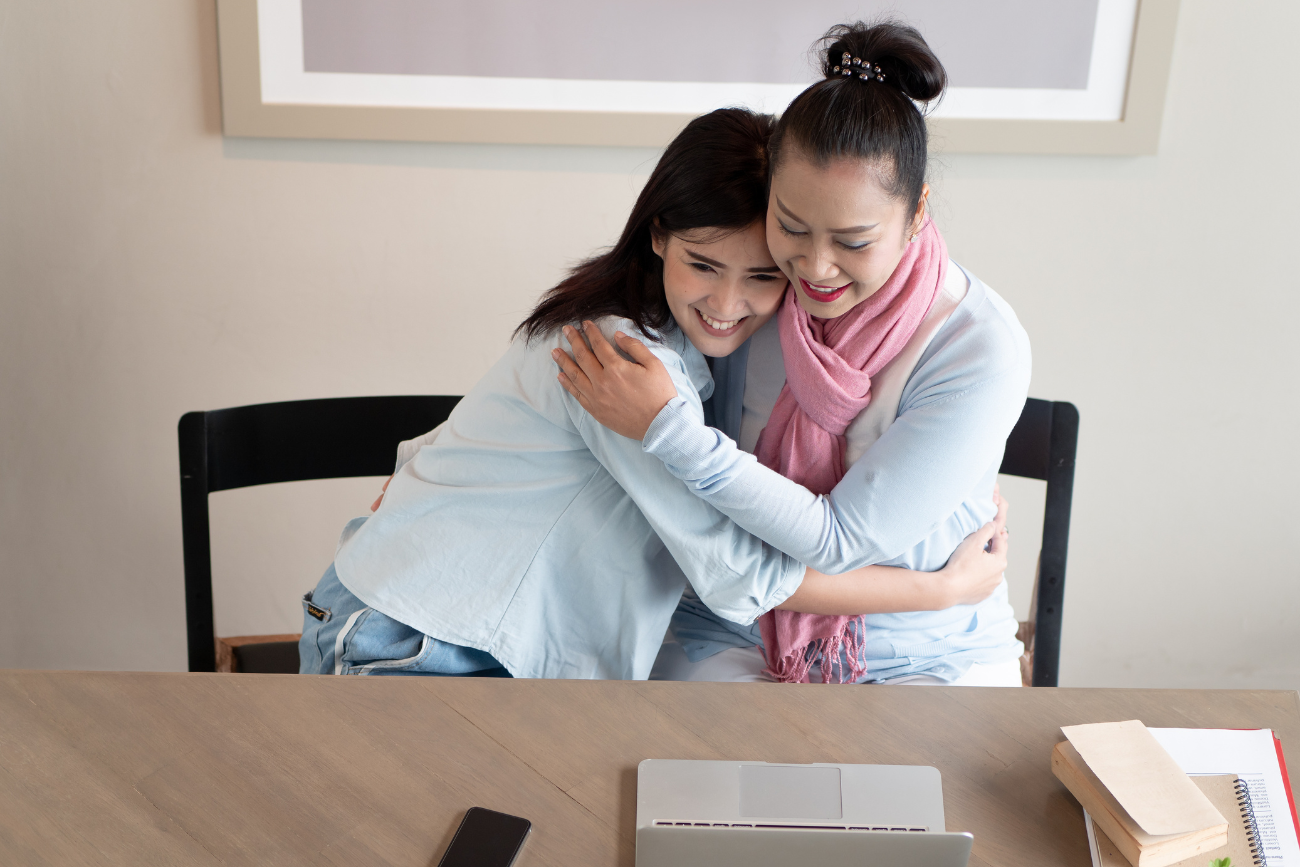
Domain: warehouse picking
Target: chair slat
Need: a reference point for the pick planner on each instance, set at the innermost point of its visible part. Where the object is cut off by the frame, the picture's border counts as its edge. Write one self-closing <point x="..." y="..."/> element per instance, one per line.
<point x="315" y="439"/>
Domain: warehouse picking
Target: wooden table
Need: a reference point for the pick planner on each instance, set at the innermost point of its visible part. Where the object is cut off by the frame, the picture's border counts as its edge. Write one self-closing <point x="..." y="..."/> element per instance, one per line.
<point x="122" y="768"/>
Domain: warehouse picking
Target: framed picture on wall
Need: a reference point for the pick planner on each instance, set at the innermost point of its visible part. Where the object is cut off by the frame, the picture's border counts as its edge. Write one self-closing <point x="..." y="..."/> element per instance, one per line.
<point x="1027" y="76"/>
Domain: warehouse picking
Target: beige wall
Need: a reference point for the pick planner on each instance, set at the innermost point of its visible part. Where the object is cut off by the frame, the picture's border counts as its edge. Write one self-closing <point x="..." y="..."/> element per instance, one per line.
<point x="149" y="267"/>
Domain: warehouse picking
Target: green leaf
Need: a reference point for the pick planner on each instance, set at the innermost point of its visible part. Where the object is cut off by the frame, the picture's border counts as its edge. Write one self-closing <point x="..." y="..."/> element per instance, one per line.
<point x="1221" y="862"/>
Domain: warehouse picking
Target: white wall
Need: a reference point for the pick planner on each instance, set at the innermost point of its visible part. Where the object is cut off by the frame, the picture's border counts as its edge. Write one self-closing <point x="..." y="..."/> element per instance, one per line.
<point x="149" y="267"/>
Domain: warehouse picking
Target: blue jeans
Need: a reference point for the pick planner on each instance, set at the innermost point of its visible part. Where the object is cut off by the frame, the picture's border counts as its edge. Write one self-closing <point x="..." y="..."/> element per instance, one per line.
<point x="342" y="635"/>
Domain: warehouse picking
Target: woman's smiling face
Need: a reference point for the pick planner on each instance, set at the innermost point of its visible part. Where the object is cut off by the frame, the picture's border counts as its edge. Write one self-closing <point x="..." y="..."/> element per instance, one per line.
<point x="836" y="231"/>
<point x="722" y="285"/>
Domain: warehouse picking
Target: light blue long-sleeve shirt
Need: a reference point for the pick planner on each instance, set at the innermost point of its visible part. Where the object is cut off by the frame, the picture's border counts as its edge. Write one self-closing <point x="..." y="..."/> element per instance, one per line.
<point x="910" y="500"/>
<point x="526" y="529"/>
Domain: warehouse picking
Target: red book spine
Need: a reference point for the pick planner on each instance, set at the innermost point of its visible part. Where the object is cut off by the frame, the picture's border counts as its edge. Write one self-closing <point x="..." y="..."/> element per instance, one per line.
<point x="1286" y="782"/>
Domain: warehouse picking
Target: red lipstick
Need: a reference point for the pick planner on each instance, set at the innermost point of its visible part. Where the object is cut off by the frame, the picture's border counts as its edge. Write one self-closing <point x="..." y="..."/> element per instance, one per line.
<point x="820" y="295"/>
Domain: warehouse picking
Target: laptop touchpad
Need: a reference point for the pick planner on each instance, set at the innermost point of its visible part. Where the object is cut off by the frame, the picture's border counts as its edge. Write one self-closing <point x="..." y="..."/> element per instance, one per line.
<point x="785" y="792"/>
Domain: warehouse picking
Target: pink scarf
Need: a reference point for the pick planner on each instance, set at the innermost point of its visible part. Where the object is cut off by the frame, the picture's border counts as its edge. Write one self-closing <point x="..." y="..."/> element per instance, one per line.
<point x="829" y="364"/>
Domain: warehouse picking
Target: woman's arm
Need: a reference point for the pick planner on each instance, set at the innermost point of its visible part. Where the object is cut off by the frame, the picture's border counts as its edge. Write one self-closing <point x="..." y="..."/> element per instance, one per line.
<point x="972" y="573"/>
<point x="957" y="410"/>
<point x="970" y="576"/>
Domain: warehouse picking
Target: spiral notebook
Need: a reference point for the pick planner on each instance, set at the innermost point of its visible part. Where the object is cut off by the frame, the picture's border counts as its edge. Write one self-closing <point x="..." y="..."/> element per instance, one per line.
<point x="1231" y="797"/>
<point x="1255" y="756"/>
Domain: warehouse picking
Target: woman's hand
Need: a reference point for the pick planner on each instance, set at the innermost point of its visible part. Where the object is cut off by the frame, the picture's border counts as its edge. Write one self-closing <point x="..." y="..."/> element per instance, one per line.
<point x="975" y="569"/>
<point x="374" y="507"/>
<point x="624" y="396"/>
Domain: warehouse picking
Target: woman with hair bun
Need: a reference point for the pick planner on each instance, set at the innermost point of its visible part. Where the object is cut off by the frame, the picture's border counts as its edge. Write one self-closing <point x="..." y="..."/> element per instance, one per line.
<point x="877" y="402"/>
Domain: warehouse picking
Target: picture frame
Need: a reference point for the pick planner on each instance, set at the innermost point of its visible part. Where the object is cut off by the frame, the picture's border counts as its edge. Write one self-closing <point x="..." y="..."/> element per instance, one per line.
<point x="245" y="113"/>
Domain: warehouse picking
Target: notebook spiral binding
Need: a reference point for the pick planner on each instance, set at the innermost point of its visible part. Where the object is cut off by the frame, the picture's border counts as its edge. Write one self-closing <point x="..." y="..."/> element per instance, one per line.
<point x="1252" y="827"/>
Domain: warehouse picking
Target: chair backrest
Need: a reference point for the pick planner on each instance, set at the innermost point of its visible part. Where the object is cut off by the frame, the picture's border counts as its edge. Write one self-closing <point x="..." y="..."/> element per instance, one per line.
<point x="281" y="442"/>
<point x="1042" y="446"/>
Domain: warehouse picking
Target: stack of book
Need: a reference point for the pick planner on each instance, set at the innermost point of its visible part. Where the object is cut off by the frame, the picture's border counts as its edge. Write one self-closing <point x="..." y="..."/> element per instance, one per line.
<point x="1145" y="810"/>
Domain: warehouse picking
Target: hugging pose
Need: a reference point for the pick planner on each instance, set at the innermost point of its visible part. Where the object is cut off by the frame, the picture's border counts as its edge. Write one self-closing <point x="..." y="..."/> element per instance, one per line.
<point x="782" y="467"/>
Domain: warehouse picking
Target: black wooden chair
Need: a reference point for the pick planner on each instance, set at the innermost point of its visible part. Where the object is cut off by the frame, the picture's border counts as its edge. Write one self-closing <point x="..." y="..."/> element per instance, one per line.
<point x="1042" y="446"/>
<point x="358" y="436"/>
<point x="278" y="442"/>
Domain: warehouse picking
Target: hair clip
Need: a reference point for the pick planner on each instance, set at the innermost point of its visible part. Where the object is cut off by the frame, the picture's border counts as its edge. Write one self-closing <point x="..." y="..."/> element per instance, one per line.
<point x="868" y="69"/>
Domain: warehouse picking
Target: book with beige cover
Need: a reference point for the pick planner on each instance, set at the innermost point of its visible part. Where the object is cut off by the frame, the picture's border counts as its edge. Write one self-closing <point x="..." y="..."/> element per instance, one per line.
<point x="1137" y="794"/>
<point x="1231" y="797"/>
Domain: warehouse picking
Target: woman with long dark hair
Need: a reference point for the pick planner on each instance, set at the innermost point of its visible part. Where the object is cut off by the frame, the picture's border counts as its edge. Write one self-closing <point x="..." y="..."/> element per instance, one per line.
<point x="877" y="401"/>
<point x="522" y="538"/>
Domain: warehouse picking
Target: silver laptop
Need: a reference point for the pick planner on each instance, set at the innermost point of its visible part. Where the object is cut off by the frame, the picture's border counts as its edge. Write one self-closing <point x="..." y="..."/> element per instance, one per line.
<point x="755" y="814"/>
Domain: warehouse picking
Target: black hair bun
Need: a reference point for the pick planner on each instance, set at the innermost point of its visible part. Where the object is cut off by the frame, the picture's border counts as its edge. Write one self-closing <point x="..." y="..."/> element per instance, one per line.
<point x="906" y="62"/>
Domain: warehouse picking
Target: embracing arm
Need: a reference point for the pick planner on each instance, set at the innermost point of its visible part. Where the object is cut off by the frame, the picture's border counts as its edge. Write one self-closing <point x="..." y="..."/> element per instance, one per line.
<point x="971" y="574"/>
<point x="950" y="432"/>
<point x="740" y="576"/>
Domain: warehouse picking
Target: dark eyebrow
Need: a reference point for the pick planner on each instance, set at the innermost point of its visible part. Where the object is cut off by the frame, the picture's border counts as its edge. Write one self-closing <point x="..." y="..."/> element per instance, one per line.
<point x="851" y="230"/>
<point x="716" y="264"/>
<point x="789" y="213"/>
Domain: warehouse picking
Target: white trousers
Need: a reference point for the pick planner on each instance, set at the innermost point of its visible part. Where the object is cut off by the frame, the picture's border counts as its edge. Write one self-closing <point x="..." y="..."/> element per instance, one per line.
<point x="745" y="665"/>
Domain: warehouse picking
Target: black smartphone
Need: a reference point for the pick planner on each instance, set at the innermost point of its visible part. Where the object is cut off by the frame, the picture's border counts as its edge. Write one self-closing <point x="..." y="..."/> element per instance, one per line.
<point x="486" y="838"/>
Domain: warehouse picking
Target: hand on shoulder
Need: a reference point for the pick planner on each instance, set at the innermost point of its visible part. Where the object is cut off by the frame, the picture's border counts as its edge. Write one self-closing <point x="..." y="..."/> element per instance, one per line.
<point x="624" y="396"/>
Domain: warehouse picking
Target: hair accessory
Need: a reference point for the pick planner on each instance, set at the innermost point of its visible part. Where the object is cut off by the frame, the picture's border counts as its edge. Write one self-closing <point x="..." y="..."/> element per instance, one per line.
<point x="869" y="70"/>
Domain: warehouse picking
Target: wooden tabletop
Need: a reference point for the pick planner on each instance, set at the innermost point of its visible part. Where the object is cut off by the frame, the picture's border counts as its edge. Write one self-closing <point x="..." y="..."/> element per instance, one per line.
<point x="125" y="768"/>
